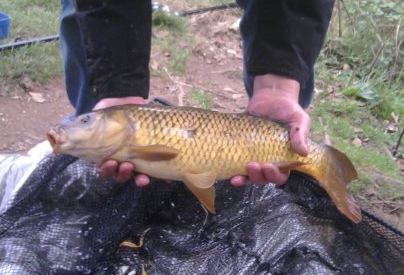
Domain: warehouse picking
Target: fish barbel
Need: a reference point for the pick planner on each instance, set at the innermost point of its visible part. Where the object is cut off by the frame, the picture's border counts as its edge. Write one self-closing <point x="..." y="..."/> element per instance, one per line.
<point x="198" y="147"/>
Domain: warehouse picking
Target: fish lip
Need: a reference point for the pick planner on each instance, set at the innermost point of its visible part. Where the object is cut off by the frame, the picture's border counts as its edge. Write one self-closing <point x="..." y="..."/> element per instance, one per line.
<point x="55" y="139"/>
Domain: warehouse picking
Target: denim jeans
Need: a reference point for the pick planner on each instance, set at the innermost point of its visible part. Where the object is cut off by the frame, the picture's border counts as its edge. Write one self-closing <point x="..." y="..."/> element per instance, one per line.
<point x="75" y="60"/>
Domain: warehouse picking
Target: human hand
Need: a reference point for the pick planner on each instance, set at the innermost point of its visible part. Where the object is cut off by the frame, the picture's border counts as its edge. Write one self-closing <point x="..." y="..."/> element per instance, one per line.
<point x="277" y="97"/>
<point x="121" y="171"/>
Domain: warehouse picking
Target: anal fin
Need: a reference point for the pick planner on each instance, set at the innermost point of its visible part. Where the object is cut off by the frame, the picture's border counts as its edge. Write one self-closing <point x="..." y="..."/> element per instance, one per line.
<point x="201" y="180"/>
<point x="205" y="195"/>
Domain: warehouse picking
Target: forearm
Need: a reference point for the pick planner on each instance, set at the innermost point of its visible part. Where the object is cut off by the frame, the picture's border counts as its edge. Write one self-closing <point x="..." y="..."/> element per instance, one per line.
<point x="117" y="39"/>
<point x="284" y="37"/>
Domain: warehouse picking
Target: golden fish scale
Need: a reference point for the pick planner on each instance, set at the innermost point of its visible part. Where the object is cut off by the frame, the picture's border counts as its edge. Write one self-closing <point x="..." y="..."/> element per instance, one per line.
<point x="215" y="141"/>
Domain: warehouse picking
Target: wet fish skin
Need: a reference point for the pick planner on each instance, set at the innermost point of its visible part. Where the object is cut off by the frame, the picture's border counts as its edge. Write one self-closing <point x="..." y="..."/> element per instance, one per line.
<point x="199" y="146"/>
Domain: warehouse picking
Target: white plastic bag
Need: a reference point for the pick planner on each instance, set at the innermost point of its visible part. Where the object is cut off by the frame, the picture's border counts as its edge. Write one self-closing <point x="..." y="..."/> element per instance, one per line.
<point x="15" y="169"/>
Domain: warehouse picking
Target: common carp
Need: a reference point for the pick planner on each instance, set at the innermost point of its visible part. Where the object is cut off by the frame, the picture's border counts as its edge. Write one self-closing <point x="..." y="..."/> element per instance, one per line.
<point x="199" y="146"/>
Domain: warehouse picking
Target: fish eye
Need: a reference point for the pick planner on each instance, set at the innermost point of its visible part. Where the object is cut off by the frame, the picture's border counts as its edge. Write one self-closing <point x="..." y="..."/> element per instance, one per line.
<point x="84" y="119"/>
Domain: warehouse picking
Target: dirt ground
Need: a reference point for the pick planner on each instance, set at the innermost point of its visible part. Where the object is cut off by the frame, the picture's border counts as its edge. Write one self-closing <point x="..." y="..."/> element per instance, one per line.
<point x="214" y="66"/>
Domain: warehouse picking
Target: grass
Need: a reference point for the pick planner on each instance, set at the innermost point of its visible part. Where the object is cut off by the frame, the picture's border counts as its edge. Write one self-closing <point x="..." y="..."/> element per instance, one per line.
<point x="174" y="30"/>
<point x="361" y="63"/>
<point x="41" y="62"/>
<point x="345" y="119"/>
<point x="201" y="98"/>
<point x="368" y="42"/>
<point x="31" y="18"/>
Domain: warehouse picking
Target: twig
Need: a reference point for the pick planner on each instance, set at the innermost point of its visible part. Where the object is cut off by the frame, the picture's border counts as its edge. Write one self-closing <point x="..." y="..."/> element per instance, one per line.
<point x="179" y="86"/>
<point x="339" y="18"/>
<point x="184" y="84"/>
<point x="347" y="11"/>
<point x="397" y="54"/>
<point x="398" y="143"/>
<point x="176" y="81"/>
<point x="372" y="65"/>
<point x="379" y="51"/>
<point x="385" y="179"/>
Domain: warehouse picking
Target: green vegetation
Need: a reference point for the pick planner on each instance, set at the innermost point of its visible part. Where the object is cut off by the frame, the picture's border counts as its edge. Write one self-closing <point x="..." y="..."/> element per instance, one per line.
<point x="201" y="98"/>
<point x="361" y="64"/>
<point x="171" y="37"/>
<point x="41" y="62"/>
<point x="365" y="51"/>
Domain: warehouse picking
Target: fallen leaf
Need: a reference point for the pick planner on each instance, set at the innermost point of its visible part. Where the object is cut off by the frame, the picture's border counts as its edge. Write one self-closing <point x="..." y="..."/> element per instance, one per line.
<point x="330" y="89"/>
<point x="37" y="97"/>
<point x="237" y="96"/>
<point x="235" y="26"/>
<point x="391" y="128"/>
<point x="396" y="118"/>
<point x="228" y="89"/>
<point x="357" y="142"/>
<point x="231" y="51"/>
<point x="154" y="65"/>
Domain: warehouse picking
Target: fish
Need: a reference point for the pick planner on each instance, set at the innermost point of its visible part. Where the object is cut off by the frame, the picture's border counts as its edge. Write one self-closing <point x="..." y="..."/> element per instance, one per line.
<point x="199" y="147"/>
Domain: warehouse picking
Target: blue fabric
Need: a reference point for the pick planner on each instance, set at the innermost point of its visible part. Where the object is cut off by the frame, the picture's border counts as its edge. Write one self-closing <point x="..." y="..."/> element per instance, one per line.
<point x="75" y="60"/>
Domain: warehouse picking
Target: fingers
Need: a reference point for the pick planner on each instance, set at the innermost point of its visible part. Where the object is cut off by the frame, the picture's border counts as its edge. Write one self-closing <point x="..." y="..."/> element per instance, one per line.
<point x="261" y="174"/>
<point x="239" y="180"/>
<point x="299" y="132"/>
<point x="255" y="172"/>
<point x="273" y="174"/>
<point x="277" y="97"/>
<point x="266" y="173"/>
<point x="122" y="172"/>
<point x="108" y="168"/>
<point x="142" y="180"/>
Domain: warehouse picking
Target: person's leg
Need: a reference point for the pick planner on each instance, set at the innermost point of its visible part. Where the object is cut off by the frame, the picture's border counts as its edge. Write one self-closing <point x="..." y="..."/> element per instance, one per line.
<point x="74" y="60"/>
<point x="247" y="27"/>
<point x="247" y="32"/>
<point x="117" y="40"/>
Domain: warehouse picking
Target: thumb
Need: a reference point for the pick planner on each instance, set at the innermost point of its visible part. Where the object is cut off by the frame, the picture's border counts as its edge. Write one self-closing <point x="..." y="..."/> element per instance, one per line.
<point x="299" y="132"/>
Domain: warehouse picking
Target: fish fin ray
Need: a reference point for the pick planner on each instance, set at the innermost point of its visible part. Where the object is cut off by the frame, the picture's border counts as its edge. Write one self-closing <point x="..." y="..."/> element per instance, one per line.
<point x="206" y="196"/>
<point x="335" y="173"/>
<point x="155" y="152"/>
<point x="201" y="180"/>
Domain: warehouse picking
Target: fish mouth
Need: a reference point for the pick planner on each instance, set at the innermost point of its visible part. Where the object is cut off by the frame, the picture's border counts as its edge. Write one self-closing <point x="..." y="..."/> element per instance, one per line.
<point x="55" y="140"/>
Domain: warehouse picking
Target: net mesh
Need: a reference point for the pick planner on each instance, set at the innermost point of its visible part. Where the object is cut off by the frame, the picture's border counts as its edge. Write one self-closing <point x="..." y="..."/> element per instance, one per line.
<point x="68" y="220"/>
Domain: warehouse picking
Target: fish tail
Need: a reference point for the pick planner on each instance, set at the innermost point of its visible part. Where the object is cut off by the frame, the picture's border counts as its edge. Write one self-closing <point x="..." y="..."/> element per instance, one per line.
<point x="334" y="173"/>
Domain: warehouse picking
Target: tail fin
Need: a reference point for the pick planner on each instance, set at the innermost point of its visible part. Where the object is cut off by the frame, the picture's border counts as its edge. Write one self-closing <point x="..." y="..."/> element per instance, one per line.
<point x="335" y="172"/>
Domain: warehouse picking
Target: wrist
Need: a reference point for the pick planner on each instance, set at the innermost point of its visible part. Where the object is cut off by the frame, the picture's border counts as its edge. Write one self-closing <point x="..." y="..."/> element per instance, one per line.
<point x="113" y="101"/>
<point x="276" y="85"/>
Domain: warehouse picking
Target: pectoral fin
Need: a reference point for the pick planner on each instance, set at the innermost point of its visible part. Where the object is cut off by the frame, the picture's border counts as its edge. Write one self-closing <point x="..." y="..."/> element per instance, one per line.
<point x="205" y="195"/>
<point x="285" y="166"/>
<point x="155" y="152"/>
